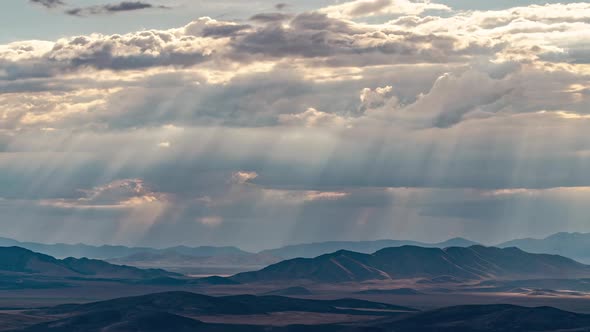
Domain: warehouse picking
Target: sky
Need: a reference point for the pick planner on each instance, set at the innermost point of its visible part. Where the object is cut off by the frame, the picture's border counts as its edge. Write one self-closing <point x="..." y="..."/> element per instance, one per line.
<point x="260" y="124"/>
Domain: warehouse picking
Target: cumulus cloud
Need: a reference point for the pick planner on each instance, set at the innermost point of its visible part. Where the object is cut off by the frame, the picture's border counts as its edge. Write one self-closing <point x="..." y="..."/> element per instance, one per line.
<point x="312" y="118"/>
<point x="307" y="125"/>
<point x="243" y="177"/>
<point x="378" y="98"/>
<point x="127" y="193"/>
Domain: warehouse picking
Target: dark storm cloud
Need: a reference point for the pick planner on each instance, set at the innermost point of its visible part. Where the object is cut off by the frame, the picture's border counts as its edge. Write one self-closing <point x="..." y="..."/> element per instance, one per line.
<point x="125" y="6"/>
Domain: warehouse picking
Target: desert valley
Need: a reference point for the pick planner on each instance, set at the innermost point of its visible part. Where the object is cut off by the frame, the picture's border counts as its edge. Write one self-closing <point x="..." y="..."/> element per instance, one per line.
<point x="405" y="288"/>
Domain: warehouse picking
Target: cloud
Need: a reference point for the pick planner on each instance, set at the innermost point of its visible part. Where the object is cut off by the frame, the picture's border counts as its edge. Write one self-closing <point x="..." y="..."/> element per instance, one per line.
<point x="362" y="122"/>
<point x="127" y="193"/>
<point x="124" y="6"/>
<point x="326" y="195"/>
<point x="243" y="177"/>
<point x="281" y="6"/>
<point x="270" y="17"/>
<point x="364" y="8"/>
<point x="49" y="3"/>
<point x="312" y="118"/>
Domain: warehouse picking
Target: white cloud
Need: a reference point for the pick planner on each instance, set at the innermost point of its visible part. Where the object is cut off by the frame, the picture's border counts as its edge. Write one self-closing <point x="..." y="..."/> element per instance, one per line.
<point x="322" y="111"/>
<point x="126" y="194"/>
<point x="313" y="118"/>
<point x="243" y="177"/>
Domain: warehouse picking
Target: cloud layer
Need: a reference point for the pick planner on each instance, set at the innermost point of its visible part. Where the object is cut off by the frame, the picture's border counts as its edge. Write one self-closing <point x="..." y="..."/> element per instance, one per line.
<point x="354" y="121"/>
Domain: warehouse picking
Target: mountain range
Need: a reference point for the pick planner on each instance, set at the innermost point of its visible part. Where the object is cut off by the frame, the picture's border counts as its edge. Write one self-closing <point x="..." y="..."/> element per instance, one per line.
<point x="61" y="250"/>
<point x="310" y="250"/>
<point x="175" y="259"/>
<point x="407" y="262"/>
<point x="110" y="252"/>
<point x="20" y="261"/>
<point x="572" y="245"/>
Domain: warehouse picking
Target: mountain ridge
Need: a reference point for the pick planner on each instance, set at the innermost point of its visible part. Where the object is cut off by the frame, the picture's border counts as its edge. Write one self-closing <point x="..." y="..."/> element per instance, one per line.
<point x="310" y="250"/>
<point x="574" y="245"/>
<point x="80" y="250"/>
<point x="16" y="260"/>
<point x="407" y="262"/>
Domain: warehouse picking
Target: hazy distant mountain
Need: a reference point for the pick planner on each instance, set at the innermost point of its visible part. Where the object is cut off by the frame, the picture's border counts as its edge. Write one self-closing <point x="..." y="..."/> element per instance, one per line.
<point x="61" y="250"/>
<point x="311" y="250"/>
<point x="573" y="245"/>
<point x="172" y="258"/>
<point x="476" y="262"/>
<point x="15" y="260"/>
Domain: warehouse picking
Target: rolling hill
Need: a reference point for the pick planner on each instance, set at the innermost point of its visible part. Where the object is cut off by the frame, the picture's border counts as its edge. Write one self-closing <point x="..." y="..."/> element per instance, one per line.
<point x="475" y="262"/>
<point x="186" y="303"/>
<point x="173" y="311"/>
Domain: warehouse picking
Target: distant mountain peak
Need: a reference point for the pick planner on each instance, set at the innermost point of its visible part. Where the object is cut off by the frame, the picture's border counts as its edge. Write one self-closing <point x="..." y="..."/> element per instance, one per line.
<point x="574" y="245"/>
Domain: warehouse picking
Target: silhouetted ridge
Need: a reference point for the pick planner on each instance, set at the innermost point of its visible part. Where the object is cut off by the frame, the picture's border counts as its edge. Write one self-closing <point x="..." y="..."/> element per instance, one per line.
<point x="310" y="250"/>
<point x="475" y="262"/>
<point x="196" y="304"/>
<point x="20" y="260"/>
<point x="80" y="250"/>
